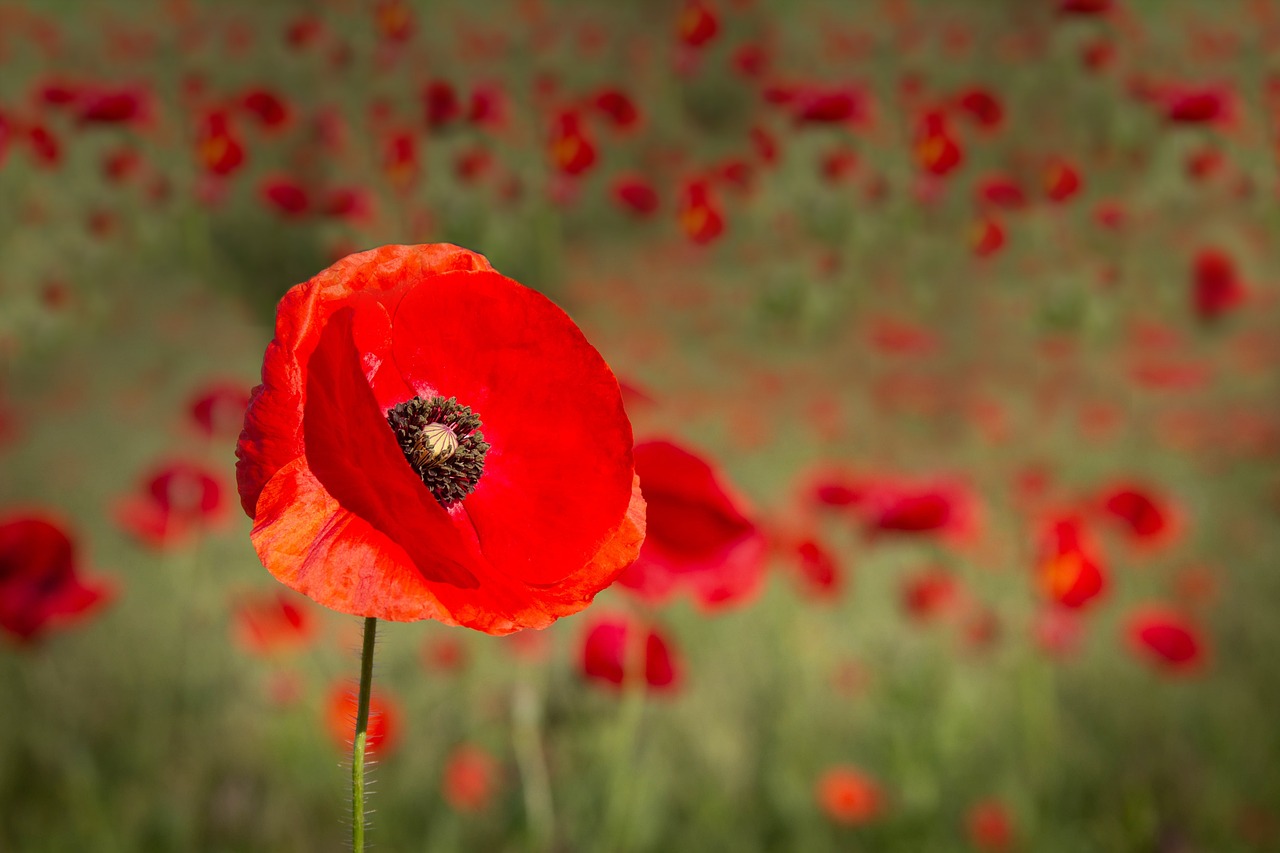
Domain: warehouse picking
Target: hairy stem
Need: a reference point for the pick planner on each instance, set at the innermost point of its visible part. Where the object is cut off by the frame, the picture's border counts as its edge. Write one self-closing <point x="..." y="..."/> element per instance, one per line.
<point x="362" y="725"/>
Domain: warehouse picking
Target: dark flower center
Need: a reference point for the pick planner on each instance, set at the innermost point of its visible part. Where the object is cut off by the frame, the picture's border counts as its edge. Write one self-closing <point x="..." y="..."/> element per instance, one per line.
<point x="441" y="440"/>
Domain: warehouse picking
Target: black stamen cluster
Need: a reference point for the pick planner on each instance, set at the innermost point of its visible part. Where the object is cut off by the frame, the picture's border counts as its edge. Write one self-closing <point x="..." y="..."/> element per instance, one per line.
<point x="454" y="478"/>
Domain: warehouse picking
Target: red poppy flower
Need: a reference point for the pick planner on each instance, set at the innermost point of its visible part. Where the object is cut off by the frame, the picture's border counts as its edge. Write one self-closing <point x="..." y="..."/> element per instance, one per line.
<point x="990" y="826"/>
<point x="635" y="194"/>
<point x="112" y="106"/>
<point x="1058" y="632"/>
<point x="1001" y="191"/>
<point x="1061" y="181"/>
<point x="1197" y="105"/>
<point x="488" y="106"/>
<point x="829" y="106"/>
<point x="1165" y="638"/>
<point x="39" y="587"/>
<point x="572" y="150"/>
<point x="698" y="538"/>
<point x="394" y="19"/>
<point x="1069" y="569"/>
<point x="610" y="654"/>
<point x="217" y="145"/>
<point x="285" y="196"/>
<point x="936" y="149"/>
<point x="903" y="507"/>
<point x="849" y="796"/>
<point x="617" y="107"/>
<point x="1142" y="514"/>
<point x="1216" y="287"/>
<point x="1084" y="7"/>
<point x="982" y="106"/>
<point x="930" y="595"/>
<point x="377" y="490"/>
<point x="819" y="571"/>
<point x="266" y="107"/>
<point x="173" y="502"/>
<point x="440" y="103"/>
<point x="699" y="213"/>
<point x="45" y="147"/>
<point x="400" y="159"/>
<point x="987" y="237"/>
<point x="340" y="720"/>
<point x="470" y="779"/>
<point x="273" y="622"/>
<point x="698" y="25"/>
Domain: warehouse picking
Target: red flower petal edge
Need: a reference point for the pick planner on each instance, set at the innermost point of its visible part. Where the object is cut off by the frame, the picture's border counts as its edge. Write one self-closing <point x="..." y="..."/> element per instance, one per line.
<point x="339" y="513"/>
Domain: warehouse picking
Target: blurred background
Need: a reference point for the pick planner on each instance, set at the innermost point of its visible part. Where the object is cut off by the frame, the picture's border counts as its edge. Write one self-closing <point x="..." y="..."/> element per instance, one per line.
<point x="966" y="312"/>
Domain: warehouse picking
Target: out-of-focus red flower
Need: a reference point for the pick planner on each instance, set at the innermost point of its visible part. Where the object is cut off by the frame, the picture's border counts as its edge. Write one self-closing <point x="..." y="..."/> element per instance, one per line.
<point x="699" y="539"/>
<point x="1197" y="104"/>
<point x="340" y="712"/>
<point x="353" y="203"/>
<point x="44" y="146"/>
<point x="930" y="595"/>
<point x="117" y="166"/>
<point x="635" y="194"/>
<point x="101" y="105"/>
<point x="40" y="588"/>
<point x="272" y="622"/>
<point x="982" y="106"/>
<point x="617" y="107"/>
<point x="1068" y="567"/>
<point x="699" y="213"/>
<point x="218" y="409"/>
<point x="445" y="653"/>
<point x="899" y="506"/>
<point x="611" y="653"/>
<point x="173" y="503"/>
<point x="838" y="164"/>
<point x="487" y="106"/>
<point x="698" y="24"/>
<point x="303" y="31"/>
<point x="1215" y="284"/>
<point x="1098" y="54"/>
<point x="440" y="103"/>
<point x="764" y="144"/>
<point x="1084" y="7"/>
<point x="400" y="159"/>
<point x="1001" y="191"/>
<point x="990" y="826"/>
<point x="1140" y="512"/>
<point x="217" y="146"/>
<point x="572" y="150"/>
<point x="285" y="196"/>
<point x="987" y="237"/>
<point x="1061" y="180"/>
<point x="819" y="105"/>
<point x="936" y="149"/>
<point x="1165" y="638"/>
<point x="266" y="107"/>
<point x="377" y="490"/>
<point x="751" y="60"/>
<point x="394" y="20"/>
<point x="1204" y="163"/>
<point x="820" y="573"/>
<point x="849" y="796"/>
<point x="470" y="779"/>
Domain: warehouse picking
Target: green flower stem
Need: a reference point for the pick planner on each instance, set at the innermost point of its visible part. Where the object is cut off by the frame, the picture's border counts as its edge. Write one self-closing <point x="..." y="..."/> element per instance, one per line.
<point x="362" y="725"/>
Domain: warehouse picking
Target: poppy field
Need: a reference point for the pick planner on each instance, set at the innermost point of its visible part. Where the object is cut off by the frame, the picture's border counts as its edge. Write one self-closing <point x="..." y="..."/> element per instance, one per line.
<point x="753" y="426"/>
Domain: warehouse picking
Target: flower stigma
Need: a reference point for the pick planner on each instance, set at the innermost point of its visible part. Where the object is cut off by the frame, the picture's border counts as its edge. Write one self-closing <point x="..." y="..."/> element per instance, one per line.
<point x="442" y="442"/>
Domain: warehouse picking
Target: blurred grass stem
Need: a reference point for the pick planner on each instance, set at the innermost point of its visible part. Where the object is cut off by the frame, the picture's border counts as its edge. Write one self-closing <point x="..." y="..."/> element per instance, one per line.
<point x="362" y="725"/>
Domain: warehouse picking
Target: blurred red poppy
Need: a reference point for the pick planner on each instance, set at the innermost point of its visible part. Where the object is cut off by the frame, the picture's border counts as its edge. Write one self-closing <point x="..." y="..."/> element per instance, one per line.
<point x="173" y="502"/>
<point x="700" y="215"/>
<point x="849" y="796"/>
<point x="610" y="653"/>
<point x="100" y="105"/>
<point x="1139" y="511"/>
<point x="1216" y="287"/>
<point x="440" y="103"/>
<point x="698" y="25"/>
<point x="470" y="779"/>
<point x="635" y="194"/>
<point x="907" y="507"/>
<point x="819" y="105"/>
<point x="1068" y="567"/>
<point x="266" y="107"/>
<point x="1197" y="104"/>
<point x="1001" y="191"/>
<point x="617" y="106"/>
<point x="272" y="622"/>
<point x="698" y="539"/>
<point x="340" y="720"/>
<point x="1061" y="180"/>
<point x="990" y="826"/>
<point x="937" y="150"/>
<point x="820" y="573"/>
<point x="40" y="588"/>
<point x="982" y="106"/>
<point x="217" y="145"/>
<point x="572" y="150"/>
<point x="285" y="196"/>
<point x="930" y="594"/>
<point x="1165" y="638"/>
<point x="987" y="237"/>
<point x="375" y="494"/>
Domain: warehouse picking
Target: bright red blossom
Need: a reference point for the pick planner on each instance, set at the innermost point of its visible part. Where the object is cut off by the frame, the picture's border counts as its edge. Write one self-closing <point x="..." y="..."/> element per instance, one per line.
<point x="698" y="539"/>
<point x="1165" y="638"/>
<point x="39" y="587"/>
<point x="342" y="515"/>
<point x="611" y="653"/>
<point x="849" y="796"/>
<point x="174" y="501"/>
